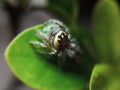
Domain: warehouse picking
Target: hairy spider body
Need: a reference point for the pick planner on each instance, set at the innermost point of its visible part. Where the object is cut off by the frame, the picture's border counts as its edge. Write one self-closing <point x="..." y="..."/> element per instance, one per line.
<point x="56" y="37"/>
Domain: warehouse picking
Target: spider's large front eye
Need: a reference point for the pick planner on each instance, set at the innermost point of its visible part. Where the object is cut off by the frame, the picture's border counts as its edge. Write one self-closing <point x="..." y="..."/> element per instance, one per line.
<point x="61" y="40"/>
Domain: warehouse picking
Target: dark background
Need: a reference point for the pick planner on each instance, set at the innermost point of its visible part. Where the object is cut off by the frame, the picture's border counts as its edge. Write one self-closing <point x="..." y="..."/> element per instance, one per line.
<point x="15" y="17"/>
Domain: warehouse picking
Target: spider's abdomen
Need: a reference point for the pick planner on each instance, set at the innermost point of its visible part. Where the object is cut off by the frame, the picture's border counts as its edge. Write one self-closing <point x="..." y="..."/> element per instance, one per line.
<point x="61" y="40"/>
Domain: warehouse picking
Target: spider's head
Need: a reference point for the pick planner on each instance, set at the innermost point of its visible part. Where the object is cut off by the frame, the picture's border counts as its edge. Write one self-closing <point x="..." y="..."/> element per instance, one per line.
<point x="61" y="40"/>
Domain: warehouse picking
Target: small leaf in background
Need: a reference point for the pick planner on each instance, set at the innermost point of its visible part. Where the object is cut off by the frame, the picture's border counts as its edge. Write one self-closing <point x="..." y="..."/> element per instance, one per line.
<point x="36" y="70"/>
<point x="67" y="10"/>
<point x="106" y="30"/>
<point x="105" y="77"/>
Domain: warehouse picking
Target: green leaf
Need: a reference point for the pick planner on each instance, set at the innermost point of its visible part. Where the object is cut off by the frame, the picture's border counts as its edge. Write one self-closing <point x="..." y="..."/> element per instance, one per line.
<point x="105" y="77"/>
<point x="35" y="70"/>
<point x="67" y="10"/>
<point x="106" y="30"/>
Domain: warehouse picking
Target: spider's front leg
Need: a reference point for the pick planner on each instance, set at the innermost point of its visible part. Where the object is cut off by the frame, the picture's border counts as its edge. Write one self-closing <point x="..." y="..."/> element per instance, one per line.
<point x="44" y="37"/>
<point x="42" y="45"/>
<point x="38" y="44"/>
<point x="48" y="53"/>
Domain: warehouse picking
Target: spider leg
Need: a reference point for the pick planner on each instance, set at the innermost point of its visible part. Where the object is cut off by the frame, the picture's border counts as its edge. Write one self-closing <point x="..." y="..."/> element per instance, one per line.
<point x="68" y="32"/>
<point x="74" y="45"/>
<point x="42" y="36"/>
<point x="46" y="53"/>
<point x="38" y="44"/>
<point x="61" y="59"/>
<point x="70" y="53"/>
<point x="73" y="40"/>
<point x="74" y="51"/>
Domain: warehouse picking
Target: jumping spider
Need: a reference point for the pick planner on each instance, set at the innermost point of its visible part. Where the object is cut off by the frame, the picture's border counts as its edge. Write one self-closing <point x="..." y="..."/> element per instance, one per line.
<point x="56" y="37"/>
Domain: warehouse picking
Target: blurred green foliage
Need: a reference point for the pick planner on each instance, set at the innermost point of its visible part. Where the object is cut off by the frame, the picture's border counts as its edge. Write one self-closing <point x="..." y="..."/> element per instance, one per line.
<point x="67" y="10"/>
<point x="106" y="30"/>
<point x="105" y="77"/>
<point x="106" y="36"/>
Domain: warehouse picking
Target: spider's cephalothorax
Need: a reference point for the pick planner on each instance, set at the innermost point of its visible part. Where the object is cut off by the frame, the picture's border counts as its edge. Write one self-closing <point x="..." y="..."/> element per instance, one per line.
<point x="56" y="37"/>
